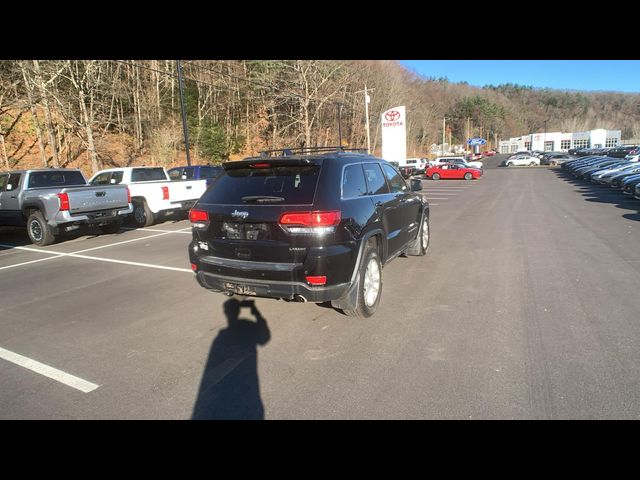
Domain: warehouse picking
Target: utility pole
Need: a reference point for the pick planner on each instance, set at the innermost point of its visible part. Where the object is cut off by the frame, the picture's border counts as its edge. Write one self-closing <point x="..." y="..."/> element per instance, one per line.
<point x="339" y="126"/>
<point x="184" y="115"/>
<point x="366" y="109"/>
<point x="544" y="139"/>
<point x="468" y="132"/>
<point x="444" y="123"/>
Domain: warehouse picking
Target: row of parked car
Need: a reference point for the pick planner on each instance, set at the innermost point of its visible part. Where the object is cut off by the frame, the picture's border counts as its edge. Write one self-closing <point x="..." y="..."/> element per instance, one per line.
<point x="420" y="166"/>
<point x="535" y="158"/>
<point x="620" y="173"/>
<point x="51" y="202"/>
<point x="622" y="151"/>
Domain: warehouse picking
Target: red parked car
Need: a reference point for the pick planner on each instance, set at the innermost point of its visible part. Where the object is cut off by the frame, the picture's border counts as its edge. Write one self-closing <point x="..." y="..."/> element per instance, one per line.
<point x="489" y="153"/>
<point x="452" y="170"/>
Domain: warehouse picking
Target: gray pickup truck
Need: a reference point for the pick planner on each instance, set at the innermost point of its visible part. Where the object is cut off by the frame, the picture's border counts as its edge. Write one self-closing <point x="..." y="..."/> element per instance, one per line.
<point x="50" y="202"/>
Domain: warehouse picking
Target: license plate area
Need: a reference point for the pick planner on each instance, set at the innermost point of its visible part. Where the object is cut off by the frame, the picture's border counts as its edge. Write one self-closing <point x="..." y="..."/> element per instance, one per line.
<point x="239" y="288"/>
<point x="244" y="231"/>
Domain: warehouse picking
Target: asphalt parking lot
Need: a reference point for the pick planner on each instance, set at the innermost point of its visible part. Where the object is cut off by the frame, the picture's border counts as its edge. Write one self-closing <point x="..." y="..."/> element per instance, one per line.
<point x="524" y="307"/>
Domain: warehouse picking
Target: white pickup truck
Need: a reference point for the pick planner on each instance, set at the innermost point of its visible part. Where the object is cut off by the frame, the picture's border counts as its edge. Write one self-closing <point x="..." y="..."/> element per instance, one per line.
<point x="153" y="194"/>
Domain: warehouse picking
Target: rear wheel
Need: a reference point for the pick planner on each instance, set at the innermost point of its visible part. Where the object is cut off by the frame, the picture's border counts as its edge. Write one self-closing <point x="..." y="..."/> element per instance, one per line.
<point x="532" y="164"/>
<point x="510" y="164"/>
<point x="424" y="236"/>
<point x="369" y="285"/>
<point x="468" y="176"/>
<point x="435" y="176"/>
<point x="142" y="216"/>
<point x="40" y="232"/>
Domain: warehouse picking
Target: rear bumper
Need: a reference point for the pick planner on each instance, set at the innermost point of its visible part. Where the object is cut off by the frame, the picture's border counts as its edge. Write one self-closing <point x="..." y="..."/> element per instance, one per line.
<point x="105" y="216"/>
<point x="270" y="288"/>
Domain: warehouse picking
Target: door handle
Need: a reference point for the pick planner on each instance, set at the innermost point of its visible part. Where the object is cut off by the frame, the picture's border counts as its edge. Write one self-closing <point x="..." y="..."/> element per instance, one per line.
<point x="13" y="196"/>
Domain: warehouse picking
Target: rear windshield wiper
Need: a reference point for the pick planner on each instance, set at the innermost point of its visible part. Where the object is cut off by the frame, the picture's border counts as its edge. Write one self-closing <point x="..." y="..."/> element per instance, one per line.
<point x="262" y="199"/>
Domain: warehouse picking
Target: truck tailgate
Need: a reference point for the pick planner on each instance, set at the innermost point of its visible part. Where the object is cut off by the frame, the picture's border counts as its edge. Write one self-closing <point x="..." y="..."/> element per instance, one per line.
<point x="184" y="190"/>
<point x="92" y="199"/>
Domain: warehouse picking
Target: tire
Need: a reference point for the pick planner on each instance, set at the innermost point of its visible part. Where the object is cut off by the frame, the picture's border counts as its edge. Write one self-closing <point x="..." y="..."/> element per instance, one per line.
<point x="142" y="216"/>
<point x="39" y="231"/>
<point x="435" y="176"/>
<point x="509" y="164"/>
<point x="111" y="228"/>
<point x="468" y="176"/>
<point x="424" y="239"/>
<point x="532" y="164"/>
<point x="367" y="305"/>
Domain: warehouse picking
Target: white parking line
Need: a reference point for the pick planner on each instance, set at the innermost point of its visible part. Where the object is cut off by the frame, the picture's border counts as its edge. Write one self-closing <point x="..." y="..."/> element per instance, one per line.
<point x="437" y="198"/>
<point x="32" y="261"/>
<point x="50" y="372"/>
<point x="100" y="259"/>
<point x="182" y="230"/>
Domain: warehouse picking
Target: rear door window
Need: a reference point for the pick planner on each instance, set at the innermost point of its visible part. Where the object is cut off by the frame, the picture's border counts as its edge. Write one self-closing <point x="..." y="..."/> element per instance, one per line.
<point x="116" y="178"/>
<point x="277" y="185"/>
<point x="3" y="182"/>
<point x="353" y="183"/>
<point x="376" y="184"/>
<point x="175" y="173"/>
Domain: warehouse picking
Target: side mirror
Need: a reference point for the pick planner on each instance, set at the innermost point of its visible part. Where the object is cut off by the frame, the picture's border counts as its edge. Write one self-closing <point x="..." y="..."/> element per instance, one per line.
<point x="416" y="185"/>
<point x="9" y="187"/>
<point x="113" y="181"/>
<point x="184" y="177"/>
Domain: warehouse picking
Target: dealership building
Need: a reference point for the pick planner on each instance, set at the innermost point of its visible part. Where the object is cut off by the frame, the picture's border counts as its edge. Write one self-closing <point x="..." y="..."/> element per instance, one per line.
<point x="562" y="141"/>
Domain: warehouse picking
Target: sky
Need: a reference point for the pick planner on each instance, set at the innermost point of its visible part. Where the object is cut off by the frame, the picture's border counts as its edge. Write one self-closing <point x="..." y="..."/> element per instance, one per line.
<point x="586" y="75"/>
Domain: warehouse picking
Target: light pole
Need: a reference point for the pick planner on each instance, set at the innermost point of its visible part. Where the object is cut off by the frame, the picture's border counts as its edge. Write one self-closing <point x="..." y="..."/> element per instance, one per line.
<point x="184" y="115"/>
<point x="544" y="138"/>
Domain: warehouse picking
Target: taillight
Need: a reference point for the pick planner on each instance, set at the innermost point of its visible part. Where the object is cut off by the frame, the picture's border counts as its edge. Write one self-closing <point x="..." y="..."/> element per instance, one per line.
<point x="194" y="267"/>
<point x="316" y="222"/>
<point x="199" y="218"/>
<point x="260" y="165"/>
<point x="165" y="193"/>
<point x="128" y="195"/>
<point x="316" y="280"/>
<point x="64" y="202"/>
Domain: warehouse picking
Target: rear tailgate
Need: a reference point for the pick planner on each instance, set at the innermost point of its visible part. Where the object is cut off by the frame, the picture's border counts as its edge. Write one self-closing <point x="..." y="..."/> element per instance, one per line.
<point x="245" y="207"/>
<point x="93" y="199"/>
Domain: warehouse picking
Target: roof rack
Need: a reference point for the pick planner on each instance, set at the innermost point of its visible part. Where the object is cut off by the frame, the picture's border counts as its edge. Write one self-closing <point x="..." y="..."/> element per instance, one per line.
<point x="285" y="152"/>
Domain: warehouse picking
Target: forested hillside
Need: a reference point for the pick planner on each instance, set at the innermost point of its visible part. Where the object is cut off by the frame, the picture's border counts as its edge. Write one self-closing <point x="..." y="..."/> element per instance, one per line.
<point x="93" y="114"/>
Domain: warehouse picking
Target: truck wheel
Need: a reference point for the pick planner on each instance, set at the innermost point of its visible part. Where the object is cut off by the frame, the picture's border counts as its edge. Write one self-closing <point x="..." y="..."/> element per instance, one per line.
<point x="142" y="216"/>
<point x="370" y="285"/>
<point x="40" y="232"/>
<point x="110" y="228"/>
<point x="468" y="176"/>
<point x="435" y="176"/>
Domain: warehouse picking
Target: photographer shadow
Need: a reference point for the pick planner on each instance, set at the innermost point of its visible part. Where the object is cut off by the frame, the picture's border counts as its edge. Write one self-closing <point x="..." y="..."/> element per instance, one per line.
<point x="229" y="388"/>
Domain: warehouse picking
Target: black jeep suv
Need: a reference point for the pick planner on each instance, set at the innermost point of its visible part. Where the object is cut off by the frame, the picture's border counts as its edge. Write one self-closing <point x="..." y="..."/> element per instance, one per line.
<point x="315" y="226"/>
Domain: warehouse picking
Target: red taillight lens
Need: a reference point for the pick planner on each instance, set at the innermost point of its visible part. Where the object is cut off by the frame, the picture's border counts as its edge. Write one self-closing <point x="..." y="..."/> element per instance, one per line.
<point x="311" y="219"/>
<point x="198" y="216"/>
<point x="64" y="202"/>
<point x="128" y="195"/>
<point x="260" y="165"/>
<point x="317" y="280"/>
<point x="194" y="267"/>
<point x="165" y="193"/>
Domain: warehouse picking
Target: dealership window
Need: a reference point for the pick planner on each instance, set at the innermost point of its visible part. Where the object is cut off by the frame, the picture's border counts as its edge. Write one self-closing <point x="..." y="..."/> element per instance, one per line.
<point x="514" y="148"/>
<point x="565" y="144"/>
<point x="611" y="142"/>
<point x="548" y="146"/>
<point x="580" y="143"/>
<point x="527" y="145"/>
<point x="504" y="149"/>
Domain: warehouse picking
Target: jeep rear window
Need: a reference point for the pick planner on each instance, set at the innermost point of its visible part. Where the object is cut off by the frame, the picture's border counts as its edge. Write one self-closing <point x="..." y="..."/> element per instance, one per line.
<point x="295" y="184"/>
<point x="56" y="179"/>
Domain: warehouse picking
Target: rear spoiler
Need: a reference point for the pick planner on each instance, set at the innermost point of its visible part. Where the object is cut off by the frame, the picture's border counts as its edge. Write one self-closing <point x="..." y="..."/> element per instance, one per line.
<point x="267" y="163"/>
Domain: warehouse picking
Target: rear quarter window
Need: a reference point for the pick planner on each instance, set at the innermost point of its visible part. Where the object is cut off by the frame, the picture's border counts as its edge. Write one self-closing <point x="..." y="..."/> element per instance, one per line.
<point x="353" y="183"/>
